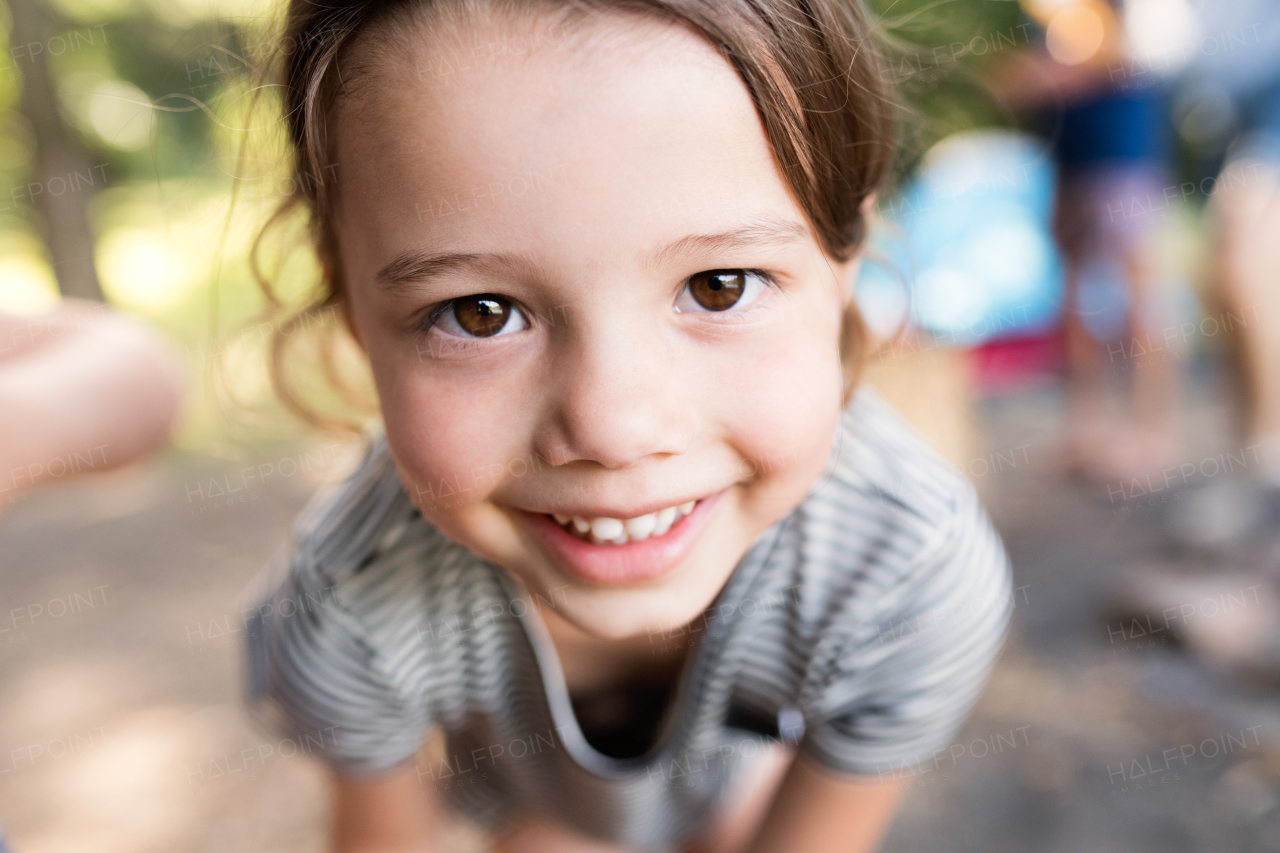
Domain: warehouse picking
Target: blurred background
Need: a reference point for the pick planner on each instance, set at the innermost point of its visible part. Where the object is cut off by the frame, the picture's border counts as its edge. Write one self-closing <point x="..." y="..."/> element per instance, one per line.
<point x="1074" y="289"/>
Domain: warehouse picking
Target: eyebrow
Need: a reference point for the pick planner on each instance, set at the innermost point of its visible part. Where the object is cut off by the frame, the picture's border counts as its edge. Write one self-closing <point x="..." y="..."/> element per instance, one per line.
<point x="419" y="266"/>
<point x="769" y="232"/>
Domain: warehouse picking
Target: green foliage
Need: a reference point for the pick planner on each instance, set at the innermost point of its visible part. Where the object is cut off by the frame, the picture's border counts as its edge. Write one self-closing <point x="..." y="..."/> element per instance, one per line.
<point x="937" y="52"/>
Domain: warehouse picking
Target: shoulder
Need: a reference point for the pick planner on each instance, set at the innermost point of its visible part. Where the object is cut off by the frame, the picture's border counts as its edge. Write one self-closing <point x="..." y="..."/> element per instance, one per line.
<point x="892" y="527"/>
<point x="881" y="457"/>
<point x="887" y="490"/>
<point x="383" y="577"/>
<point x="346" y="523"/>
<point x="358" y="626"/>
<point x="909" y="595"/>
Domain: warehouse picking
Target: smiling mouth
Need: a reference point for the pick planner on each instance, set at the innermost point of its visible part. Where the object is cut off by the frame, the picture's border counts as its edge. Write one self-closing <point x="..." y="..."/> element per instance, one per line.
<point x="602" y="530"/>
<point x="601" y="550"/>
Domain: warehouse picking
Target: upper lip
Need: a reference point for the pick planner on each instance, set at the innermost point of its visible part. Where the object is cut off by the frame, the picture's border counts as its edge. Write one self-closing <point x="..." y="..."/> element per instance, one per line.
<point x="634" y="511"/>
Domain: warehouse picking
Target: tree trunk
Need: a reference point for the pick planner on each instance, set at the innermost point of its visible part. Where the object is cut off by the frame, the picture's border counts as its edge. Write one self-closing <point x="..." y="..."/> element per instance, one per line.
<point x="61" y="162"/>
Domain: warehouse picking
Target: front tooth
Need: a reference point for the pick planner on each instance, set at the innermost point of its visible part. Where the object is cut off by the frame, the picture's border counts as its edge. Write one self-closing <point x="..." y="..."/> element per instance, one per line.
<point x="580" y="524"/>
<point x="686" y="507"/>
<point x="607" y="529"/>
<point x="665" y="519"/>
<point x="641" y="527"/>
<point x="620" y="539"/>
<point x="561" y="519"/>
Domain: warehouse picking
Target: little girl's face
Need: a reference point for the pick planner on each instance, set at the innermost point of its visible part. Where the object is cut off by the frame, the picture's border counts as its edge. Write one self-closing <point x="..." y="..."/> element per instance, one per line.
<point x="586" y="292"/>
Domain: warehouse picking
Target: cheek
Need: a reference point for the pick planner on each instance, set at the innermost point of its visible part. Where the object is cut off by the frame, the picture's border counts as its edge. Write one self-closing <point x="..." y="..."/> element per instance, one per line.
<point x="453" y="442"/>
<point x="792" y="417"/>
<point x="784" y="407"/>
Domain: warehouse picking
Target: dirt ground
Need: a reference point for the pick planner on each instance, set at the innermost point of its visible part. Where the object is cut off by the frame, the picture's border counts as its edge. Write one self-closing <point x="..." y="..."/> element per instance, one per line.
<point x="121" y="730"/>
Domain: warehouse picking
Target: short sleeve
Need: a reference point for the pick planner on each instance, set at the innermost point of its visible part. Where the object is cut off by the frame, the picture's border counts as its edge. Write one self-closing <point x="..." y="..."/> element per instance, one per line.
<point x="900" y="689"/>
<point x="315" y="678"/>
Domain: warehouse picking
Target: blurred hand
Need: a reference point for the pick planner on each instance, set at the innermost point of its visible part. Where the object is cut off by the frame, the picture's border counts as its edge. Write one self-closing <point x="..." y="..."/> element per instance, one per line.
<point x="83" y="389"/>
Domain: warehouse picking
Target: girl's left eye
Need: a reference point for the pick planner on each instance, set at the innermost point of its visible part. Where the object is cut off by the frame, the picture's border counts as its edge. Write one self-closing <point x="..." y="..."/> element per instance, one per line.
<point x="484" y="315"/>
<point x="720" y="290"/>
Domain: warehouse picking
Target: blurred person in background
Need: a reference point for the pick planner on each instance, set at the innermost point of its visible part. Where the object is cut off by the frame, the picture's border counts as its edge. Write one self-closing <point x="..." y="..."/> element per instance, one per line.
<point x="1228" y="109"/>
<point x="1109" y="67"/>
<point x="1109" y="132"/>
<point x="83" y="389"/>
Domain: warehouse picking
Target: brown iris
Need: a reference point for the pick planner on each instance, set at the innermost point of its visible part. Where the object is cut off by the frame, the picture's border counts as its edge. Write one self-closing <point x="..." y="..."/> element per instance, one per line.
<point x="718" y="290"/>
<point x="484" y="315"/>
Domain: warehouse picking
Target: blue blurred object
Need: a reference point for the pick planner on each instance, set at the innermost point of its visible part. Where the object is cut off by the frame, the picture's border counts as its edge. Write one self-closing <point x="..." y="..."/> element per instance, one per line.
<point x="965" y="250"/>
<point x="1131" y="126"/>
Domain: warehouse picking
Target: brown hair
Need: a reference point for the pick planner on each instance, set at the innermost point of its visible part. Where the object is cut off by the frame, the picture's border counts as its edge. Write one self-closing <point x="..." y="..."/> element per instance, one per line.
<point x="811" y="66"/>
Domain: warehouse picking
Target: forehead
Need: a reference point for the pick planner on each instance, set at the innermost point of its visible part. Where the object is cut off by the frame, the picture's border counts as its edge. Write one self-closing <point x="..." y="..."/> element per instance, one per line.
<point x="628" y="129"/>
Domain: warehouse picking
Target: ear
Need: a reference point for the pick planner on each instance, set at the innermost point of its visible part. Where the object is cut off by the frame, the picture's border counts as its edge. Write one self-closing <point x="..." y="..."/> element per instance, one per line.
<point x="868" y="206"/>
<point x="854" y="265"/>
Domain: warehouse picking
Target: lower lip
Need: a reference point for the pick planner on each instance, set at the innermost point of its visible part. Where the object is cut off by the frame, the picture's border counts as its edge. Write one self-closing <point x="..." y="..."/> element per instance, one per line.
<point x="635" y="562"/>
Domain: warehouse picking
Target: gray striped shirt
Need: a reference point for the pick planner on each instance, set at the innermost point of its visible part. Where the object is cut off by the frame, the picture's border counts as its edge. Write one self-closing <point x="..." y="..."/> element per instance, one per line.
<point x="861" y="627"/>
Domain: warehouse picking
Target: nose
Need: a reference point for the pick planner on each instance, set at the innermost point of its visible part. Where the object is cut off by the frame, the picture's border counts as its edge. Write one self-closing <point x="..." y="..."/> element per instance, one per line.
<point x="618" y="397"/>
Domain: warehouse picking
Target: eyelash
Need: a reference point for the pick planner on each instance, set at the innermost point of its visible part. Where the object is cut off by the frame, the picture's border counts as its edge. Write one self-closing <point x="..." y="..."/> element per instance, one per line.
<point x="435" y="312"/>
<point x="764" y="274"/>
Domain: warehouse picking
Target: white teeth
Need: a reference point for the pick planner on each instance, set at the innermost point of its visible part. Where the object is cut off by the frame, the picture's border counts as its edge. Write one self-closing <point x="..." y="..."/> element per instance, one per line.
<point x="642" y="527"/>
<point x="607" y="529"/>
<point x="665" y="519"/>
<point x="616" y="531"/>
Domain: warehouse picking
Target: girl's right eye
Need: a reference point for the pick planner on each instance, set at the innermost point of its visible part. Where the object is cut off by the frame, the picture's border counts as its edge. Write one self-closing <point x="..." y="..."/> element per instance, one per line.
<point x="484" y="315"/>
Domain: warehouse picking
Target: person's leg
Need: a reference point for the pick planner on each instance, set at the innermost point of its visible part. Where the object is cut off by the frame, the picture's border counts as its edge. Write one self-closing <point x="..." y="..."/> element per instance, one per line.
<point x="1087" y="410"/>
<point x="1156" y="385"/>
<point x="1147" y="439"/>
<point x="1087" y="392"/>
<point x="1245" y="211"/>
<point x="1138" y="433"/>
